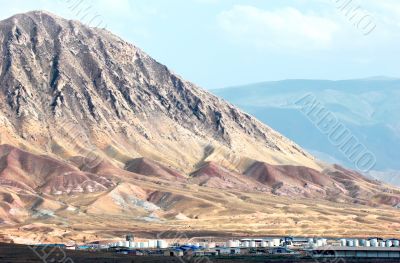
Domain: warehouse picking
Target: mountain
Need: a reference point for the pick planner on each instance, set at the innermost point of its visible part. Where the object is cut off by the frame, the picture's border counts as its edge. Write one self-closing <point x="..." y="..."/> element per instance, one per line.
<point x="67" y="89"/>
<point x="98" y="139"/>
<point x="367" y="107"/>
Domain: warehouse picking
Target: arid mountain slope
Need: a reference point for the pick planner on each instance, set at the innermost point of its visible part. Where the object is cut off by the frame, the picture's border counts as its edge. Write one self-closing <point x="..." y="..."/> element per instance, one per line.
<point x="148" y="167"/>
<point x="30" y="172"/>
<point x="212" y="175"/>
<point x="62" y="209"/>
<point x="67" y="89"/>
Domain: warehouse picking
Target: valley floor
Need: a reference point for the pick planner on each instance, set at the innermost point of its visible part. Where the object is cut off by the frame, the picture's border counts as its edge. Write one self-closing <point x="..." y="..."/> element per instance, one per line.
<point x="205" y="212"/>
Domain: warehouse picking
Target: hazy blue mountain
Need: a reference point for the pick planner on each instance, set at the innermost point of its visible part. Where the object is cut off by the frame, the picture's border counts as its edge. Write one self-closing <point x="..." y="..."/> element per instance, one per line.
<point x="370" y="108"/>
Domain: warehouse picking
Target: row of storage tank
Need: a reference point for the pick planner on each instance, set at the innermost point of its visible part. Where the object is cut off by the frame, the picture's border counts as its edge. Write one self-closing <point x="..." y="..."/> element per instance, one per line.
<point x="318" y="242"/>
<point x="144" y="244"/>
<point x="369" y="243"/>
<point x="253" y="243"/>
<point x="263" y="243"/>
<point x="231" y="244"/>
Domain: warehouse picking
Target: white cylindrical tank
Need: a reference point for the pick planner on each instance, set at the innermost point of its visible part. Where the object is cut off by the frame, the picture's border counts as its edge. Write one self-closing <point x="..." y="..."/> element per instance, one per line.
<point x="350" y="243"/>
<point x="263" y="243"/>
<point x="210" y="245"/>
<point x="324" y="241"/>
<point x="152" y="243"/>
<point x="320" y="242"/>
<point x="276" y="242"/>
<point x="310" y="240"/>
<point x="356" y="243"/>
<point x="343" y="242"/>
<point x="253" y="243"/>
<point x="162" y="244"/>
<point x="165" y="244"/>
<point x="374" y="242"/>
<point x="383" y="244"/>
<point x="126" y="243"/>
<point x="131" y="244"/>
<point x="367" y="243"/>
<point x="120" y="243"/>
<point x="396" y="243"/>
<point x="246" y="244"/>
<point x="232" y="243"/>
<point x="389" y="243"/>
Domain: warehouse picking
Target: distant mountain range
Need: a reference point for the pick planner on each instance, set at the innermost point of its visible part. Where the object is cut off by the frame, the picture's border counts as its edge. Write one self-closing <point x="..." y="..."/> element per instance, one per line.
<point x="368" y="107"/>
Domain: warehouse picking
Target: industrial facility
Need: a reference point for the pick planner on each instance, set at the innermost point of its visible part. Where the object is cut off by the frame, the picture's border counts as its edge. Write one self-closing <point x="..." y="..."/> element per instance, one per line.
<point x="287" y="246"/>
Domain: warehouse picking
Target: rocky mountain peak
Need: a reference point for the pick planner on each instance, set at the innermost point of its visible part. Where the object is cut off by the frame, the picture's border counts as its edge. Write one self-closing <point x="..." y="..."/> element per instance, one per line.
<point x="56" y="70"/>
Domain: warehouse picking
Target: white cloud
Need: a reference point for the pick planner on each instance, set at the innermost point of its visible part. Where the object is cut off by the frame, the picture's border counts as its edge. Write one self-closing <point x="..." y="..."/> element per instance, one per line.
<point x="388" y="11"/>
<point x="281" y="28"/>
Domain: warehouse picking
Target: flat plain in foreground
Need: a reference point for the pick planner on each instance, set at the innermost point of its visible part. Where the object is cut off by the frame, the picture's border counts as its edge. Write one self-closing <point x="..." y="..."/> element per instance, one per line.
<point x="12" y="253"/>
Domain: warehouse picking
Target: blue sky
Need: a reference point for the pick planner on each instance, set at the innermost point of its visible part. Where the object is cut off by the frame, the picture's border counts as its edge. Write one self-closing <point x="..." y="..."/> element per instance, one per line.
<point x="219" y="43"/>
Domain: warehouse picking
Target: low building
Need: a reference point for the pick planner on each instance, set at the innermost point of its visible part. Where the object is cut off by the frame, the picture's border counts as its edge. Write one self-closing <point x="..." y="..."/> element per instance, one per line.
<point x="280" y="250"/>
<point x="173" y="253"/>
<point x="205" y="253"/>
<point x="70" y="247"/>
<point x="300" y="241"/>
<point x="228" y="251"/>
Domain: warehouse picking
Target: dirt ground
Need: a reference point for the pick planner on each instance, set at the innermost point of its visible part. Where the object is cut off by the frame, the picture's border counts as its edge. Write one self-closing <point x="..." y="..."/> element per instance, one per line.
<point x="12" y="253"/>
